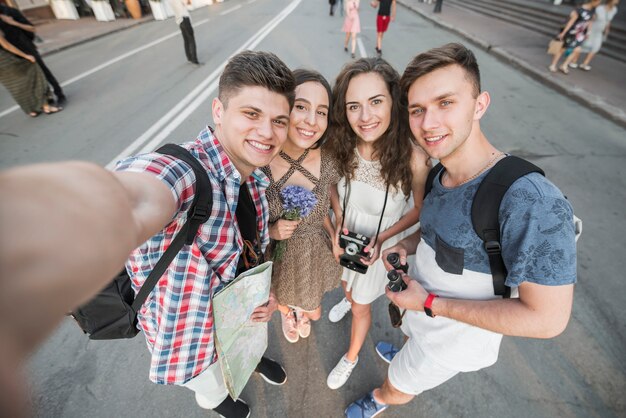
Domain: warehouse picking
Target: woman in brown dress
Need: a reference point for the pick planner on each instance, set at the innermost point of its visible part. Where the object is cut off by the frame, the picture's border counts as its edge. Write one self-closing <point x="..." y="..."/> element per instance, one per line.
<point x="307" y="269"/>
<point x="23" y="78"/>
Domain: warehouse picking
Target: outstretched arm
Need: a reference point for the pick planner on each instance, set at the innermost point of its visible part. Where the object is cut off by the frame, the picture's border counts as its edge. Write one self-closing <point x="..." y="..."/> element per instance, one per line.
<point x="66" y="230"/>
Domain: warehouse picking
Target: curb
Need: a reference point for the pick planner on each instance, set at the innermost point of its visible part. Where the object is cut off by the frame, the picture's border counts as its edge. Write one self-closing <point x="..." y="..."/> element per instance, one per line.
<point x="94" y="37"/>
<point x="589" y="100"/>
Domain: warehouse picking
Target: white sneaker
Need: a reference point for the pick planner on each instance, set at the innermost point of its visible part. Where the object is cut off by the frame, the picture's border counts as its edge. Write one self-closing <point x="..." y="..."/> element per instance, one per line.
<point x="340" y="374"/>
<point x="340" y="310"/>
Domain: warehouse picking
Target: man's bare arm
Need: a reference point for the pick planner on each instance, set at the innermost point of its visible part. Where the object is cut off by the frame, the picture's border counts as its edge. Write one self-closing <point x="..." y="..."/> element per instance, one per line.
<point x="65" y="231"/>
<point x="540" y="312"/>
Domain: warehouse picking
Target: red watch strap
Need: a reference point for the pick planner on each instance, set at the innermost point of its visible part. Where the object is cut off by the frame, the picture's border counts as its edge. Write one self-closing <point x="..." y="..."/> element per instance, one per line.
<point x="428" y="304"/>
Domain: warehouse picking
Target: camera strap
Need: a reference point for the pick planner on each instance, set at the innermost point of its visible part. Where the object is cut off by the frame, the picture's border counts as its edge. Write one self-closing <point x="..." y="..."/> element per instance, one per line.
<point x="347" y="191"/>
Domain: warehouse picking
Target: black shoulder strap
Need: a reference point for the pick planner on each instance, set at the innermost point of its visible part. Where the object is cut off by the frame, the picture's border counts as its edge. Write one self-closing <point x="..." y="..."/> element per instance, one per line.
<point x="431" y="178"/>
<point x="197" y="214"/>
<point x="486" y="207"/>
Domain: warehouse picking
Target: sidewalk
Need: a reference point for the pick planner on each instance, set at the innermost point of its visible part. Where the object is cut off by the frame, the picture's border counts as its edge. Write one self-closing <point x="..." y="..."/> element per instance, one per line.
<point x="601" y="89"/>
<point x="62" y="34"/>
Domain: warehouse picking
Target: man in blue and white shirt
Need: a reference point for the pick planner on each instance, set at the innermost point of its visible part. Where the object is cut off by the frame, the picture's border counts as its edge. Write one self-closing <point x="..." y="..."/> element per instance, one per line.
<point x="454" y="322"/>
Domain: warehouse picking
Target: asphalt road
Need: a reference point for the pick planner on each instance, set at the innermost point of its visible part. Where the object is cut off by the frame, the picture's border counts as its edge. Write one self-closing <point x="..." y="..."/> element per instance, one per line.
<point x="152" y="95"/>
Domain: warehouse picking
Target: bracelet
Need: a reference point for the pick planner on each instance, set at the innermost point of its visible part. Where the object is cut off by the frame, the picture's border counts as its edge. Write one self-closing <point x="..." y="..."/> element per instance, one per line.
<point x="428" y="304"/>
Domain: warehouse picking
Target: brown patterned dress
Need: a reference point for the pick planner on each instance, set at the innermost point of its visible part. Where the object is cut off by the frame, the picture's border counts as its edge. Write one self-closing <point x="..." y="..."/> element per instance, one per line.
<point x="307" y="269"/>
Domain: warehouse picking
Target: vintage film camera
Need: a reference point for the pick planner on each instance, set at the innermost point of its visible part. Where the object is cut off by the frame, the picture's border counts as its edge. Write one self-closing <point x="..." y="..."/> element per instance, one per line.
<point x="353" y="244"/>
<point x="396" y="284"/>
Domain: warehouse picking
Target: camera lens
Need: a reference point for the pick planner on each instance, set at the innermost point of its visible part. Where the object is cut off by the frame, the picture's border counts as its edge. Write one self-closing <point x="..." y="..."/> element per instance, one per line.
<point x="352" y="249"/>
<point x="394" y="260"/>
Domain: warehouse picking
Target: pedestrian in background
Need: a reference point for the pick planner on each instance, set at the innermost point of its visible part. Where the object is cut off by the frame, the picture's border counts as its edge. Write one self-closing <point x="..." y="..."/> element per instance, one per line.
<point x="183" y="20"/>
<point x="598" y="33"/>
<point x="21" y="33"/>
<point x="332" y="3"/>
<point x="386" y="14"/>
<point x="306" y="270"/>
<point x="574" y="34"/>
<point x="24" y="79"/>
<point x="351" y="24"/>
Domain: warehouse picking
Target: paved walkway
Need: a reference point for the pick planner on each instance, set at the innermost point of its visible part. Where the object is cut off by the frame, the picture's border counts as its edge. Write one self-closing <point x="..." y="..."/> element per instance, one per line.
<point x="601" y="89"/>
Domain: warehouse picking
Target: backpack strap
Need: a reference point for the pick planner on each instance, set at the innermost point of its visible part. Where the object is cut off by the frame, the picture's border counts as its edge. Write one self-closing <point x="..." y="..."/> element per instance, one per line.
<point x="485" y="209"/>
<point x="431" y="178"/>
<point x="198" y="213"/>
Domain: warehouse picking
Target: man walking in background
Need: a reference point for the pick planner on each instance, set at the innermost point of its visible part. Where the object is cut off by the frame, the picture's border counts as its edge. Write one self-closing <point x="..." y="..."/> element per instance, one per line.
<point x="183" y="20"/>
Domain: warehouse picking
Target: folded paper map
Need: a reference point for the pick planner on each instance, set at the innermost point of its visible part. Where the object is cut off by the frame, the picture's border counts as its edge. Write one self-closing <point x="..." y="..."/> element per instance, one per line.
<point x="240" y="343"/>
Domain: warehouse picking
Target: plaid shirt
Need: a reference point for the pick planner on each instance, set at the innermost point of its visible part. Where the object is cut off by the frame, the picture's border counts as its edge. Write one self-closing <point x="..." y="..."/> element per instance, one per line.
<point x="177" y="317"/>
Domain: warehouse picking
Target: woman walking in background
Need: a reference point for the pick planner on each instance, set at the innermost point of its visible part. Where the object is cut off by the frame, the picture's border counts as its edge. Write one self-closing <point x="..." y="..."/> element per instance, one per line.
<point x="351" y="24"/>
<point x="598" y="32"/>
<point x="381" y="189"/>
<point x="307" y="269"/>
<point x="24" y="79"/>
<point x="574" y="34"/>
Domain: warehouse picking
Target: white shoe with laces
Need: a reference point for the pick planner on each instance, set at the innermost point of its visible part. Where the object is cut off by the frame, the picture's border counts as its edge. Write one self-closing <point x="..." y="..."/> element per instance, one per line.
<point x="340" y="374"/>
<point x="340" y="310"/>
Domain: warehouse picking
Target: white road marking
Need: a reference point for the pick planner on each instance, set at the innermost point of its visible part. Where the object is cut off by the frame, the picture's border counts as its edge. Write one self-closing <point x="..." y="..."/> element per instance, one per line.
<point x="196" y="97"/>
<point x="232" y="9"/>
<point x="361" y="48"/>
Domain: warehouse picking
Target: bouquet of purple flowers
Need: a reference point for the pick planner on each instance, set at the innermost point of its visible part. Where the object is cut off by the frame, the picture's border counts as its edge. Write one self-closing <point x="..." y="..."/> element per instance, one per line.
<point x="298" y="202"/>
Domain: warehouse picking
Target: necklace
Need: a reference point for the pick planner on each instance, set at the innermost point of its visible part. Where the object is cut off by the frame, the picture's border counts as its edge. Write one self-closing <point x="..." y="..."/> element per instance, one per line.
<point x="479" y="172"/>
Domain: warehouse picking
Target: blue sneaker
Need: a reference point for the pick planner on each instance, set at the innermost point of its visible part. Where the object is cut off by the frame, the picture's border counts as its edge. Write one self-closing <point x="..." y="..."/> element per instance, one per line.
<point x="365" y="407"/>
<point x="386" y="351"/>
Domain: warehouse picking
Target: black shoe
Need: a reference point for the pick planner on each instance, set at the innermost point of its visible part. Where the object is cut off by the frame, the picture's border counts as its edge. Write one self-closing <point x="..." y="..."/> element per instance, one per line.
<point x="61" y="101"/>
<point x="233" y="409"/>
<point x="353" y="56"/>
<point x="272" y="372"/>
<point x="196" y="62"/>
<point x="345" y="48"/>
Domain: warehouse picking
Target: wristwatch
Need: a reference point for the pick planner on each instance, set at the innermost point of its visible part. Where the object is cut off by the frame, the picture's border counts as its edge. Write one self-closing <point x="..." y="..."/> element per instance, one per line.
<point x="429" y="304"/>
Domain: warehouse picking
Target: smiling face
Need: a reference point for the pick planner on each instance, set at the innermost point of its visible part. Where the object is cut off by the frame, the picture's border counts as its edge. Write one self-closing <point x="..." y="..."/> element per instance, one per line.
<point x="309" y="117"/>
<point x="368" y="106"/>
<point x="252" y="127"/>
<point x="443" y="110"/>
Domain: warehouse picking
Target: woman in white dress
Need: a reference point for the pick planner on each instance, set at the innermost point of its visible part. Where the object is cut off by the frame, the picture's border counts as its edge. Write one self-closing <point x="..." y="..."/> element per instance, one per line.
<point x="597" y="35"/>
<point x="379" y="163"/>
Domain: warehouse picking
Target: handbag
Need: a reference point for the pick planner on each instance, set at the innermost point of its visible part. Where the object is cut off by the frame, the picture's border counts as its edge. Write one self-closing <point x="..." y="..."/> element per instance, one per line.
<point x="555" y="46"/>
<point x="112" y="313"/>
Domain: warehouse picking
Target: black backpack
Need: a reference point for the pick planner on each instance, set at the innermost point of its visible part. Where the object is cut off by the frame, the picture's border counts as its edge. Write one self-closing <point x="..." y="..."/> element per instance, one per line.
<point x="486" y="206"/>
<point x="112" y="313"/>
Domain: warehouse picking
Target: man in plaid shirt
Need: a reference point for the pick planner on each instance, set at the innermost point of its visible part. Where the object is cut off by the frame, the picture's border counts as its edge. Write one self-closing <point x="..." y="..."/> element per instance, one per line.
<point x="251" y="116"/>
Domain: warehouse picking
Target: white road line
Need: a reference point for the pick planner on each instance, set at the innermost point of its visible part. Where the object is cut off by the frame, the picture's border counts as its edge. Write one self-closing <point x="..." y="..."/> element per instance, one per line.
<point x="113" y="61"/>
<point x="361" y="48"/>
<point x="196" y="97"/>
<point x="232" y="9"/>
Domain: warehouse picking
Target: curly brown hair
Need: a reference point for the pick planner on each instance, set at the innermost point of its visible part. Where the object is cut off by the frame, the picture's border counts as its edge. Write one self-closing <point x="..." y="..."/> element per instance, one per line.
<point x="391" y="148"/>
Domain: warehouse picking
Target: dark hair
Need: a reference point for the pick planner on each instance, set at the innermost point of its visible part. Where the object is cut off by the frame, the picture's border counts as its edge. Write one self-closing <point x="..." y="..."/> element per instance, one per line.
<point x="436" y="58"/>
<point x="304" y="76"/>
<point x="255" y="68"/>
<point x="392" y="147"/>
